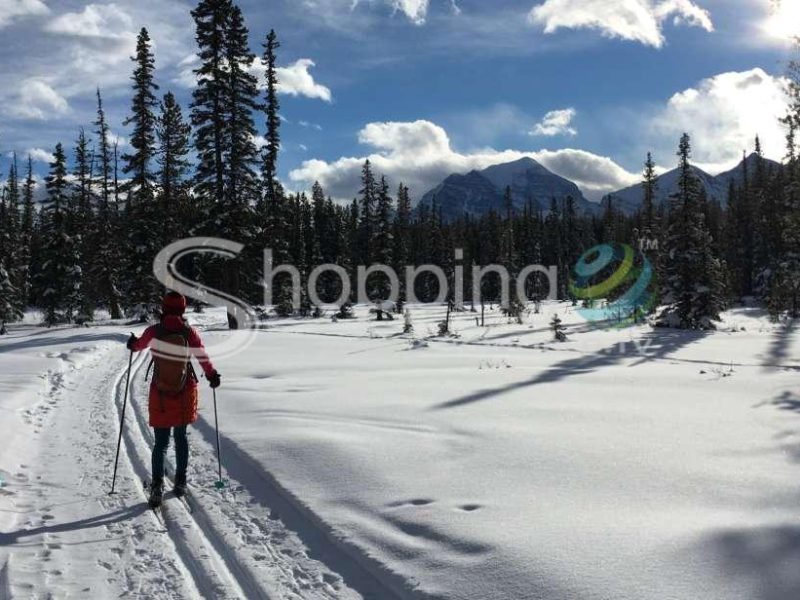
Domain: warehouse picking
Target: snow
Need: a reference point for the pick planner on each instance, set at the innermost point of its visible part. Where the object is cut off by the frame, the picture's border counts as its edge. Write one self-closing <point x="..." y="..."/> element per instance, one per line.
<point x="623" y="463"/>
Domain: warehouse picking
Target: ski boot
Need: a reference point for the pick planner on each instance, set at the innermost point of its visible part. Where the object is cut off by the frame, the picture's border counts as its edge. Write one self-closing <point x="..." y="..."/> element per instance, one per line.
<point x="180" y="485"/>
<point x="156" y="493"/>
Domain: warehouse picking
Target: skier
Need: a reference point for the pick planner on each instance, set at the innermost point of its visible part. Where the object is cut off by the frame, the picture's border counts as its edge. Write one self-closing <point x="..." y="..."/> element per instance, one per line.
<point x="173" y="395"/>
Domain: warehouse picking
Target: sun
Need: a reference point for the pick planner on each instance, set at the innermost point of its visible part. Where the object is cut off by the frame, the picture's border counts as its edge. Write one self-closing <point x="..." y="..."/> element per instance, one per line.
<point x="784" y="20"/>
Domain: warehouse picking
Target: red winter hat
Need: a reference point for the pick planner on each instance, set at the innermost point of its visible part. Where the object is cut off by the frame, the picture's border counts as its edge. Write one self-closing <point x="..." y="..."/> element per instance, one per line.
<point x="173" y="304"/>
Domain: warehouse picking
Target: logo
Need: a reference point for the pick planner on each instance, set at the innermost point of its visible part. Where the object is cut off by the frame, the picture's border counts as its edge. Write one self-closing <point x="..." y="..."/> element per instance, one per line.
<point x="616" y="284"/>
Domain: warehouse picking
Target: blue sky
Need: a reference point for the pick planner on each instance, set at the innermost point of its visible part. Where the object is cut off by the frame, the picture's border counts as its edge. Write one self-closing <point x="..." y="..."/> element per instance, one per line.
<point x="429" y="87"/>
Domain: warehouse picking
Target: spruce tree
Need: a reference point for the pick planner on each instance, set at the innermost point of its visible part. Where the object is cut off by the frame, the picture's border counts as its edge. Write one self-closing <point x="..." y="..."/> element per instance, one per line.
<point x="649" y="188"/>
<point x="366" y="226"/>
<point x="269" y="169"/>
<point x="105" y="259"/>
<point x="27" y="232"/>
<point x="693" y="286"/>
<point x="138" y="164"/>
<point x="174" y="139"/>
<point x="241" y="101"/>
<point x="60" y="275"/>
<point x="208" y="105"/>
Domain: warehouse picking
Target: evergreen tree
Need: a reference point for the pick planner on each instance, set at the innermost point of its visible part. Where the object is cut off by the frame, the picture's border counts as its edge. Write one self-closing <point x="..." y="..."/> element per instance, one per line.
<point x="104" y="156"/>
<point x="105" y="257"/>
<point x="366" y="226"/>
<point x="143" y="118"/>
<point x="693" y="286"/>
<point x="173" y="164"/>
<point x="208" y="106"/>
<point x="81" y="224"/>
<point x="60" y="274"/>
<point x="27" y="233"/>
<point x="241" y="101"/>
<point x="649" y="187"/>
<point x="269" y="169"/>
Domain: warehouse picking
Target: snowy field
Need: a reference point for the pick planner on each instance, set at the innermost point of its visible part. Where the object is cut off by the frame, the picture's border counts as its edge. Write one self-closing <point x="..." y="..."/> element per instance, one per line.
<point x="361" y="462"/>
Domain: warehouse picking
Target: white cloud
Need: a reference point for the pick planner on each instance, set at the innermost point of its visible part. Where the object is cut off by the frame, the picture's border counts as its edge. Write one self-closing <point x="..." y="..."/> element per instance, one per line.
<point x="12" y="9"/>
<point x="636" y="20"/>
<point x="723" y="114"/>
<point x="783" y="21"/>
<point x="40" y="155"/>
<point x="415" y="10"/>
<point x="36" y="99"/>
<point x="186" y="76"/>
<point x="419" y="154"/>
<point x="309" y="125"/>
<point x="556" y="122"/>
<point x="303" y="147"/>
<point x="96" y="20"/>
<point x="294" y="79"/>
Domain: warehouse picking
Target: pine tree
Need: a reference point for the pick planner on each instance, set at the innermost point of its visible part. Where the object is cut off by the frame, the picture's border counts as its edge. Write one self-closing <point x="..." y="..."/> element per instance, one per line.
<point x="693" y="287"/>
<point x="60" y="274"/>
<point x="106" y="257"/>
<point x="269" y="169"/>
<point x="366" y="226"/>
<point x="104" y="156"/>
<point x="241" y="101"/>
<point x="173" y="151"/>
<point x="81" y="225"/>
<point x="402" y="227"/>
<point x="383" y="240"/>
<point x="9" y="296"/>
<point x="208" y="106"/>
<point x="143" y="118"/>
<point x="27" y="232"/>
<point x="649" y="187"/>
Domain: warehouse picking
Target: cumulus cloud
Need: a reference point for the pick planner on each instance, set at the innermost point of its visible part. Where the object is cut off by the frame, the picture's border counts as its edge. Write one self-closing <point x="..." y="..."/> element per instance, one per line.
<point x="95" y="20"/>
<point x="40" y="155"/>
<point x="36" y="99"/>
<point x="556" y="122"/>
<point x="723" y="114"/>
<point x="635" y="20"/>
<point x="294" y="79"/>
<point x="419" y="153"/>
<point x="13" y="9"/>
<point x="783" y="21"/>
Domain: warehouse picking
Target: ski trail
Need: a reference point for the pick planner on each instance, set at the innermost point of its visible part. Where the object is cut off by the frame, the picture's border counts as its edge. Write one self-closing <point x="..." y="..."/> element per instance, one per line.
<point x="69" y="538"/>
<point x="249" y="546"/>
<point x="201" y="559"/>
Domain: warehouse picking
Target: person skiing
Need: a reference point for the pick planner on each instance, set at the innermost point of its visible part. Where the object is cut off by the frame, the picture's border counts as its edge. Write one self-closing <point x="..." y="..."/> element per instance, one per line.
<point x="172" y="401"/>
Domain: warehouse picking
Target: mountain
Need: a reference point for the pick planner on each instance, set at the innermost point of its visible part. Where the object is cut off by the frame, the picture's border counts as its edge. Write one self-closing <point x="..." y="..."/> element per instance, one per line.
<point x="629" y="200"/>
<point x="479" y="192"/>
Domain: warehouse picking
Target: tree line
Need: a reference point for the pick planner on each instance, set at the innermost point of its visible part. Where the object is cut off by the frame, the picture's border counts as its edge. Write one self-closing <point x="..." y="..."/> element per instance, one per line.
<point x="106" y="214"/>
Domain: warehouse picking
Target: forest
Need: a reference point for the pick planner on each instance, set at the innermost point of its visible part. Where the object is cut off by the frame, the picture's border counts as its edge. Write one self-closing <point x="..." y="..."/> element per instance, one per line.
<point x="198" y="171"/>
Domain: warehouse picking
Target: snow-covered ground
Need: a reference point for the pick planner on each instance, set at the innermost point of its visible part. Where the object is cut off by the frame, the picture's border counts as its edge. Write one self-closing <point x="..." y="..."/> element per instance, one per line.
<point x="361" y="462"/>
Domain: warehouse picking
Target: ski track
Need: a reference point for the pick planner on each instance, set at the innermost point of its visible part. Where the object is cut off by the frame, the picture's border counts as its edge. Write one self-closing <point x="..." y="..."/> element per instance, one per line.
<point x="230" y="545"/>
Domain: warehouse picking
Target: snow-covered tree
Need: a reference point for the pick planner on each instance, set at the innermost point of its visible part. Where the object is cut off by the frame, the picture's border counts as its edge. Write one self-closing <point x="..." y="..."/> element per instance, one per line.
<point x="693" y="288"/>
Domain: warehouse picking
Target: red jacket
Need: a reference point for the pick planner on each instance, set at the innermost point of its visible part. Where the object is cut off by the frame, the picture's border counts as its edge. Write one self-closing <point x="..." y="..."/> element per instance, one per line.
<point x="173" y="410"/>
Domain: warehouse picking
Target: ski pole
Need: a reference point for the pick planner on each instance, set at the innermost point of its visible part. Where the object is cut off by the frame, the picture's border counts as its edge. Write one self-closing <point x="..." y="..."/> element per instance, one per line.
<point x="122" y="421"/>
<point x="219" y="484"/>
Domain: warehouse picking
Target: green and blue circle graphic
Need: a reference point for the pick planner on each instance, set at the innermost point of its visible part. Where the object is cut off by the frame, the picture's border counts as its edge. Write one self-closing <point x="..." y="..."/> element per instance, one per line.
<point x="616" y="283"/>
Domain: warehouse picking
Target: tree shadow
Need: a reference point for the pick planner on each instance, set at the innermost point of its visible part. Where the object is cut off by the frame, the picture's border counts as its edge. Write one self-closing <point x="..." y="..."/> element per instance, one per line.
<point x="779" y="347"/>
<point x="42" y="342"/>
<point x="123" y="514"/>
<point x="763" y="560"/>
<point x="662" y="343"/>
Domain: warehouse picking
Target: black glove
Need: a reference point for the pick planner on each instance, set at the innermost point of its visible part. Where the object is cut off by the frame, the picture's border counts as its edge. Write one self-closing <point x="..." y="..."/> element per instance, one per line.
<point x="131" y="341"/>
<point x="213" y="379"/>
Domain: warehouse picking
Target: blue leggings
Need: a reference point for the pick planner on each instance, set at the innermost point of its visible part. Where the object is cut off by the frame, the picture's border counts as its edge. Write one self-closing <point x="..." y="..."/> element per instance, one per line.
<point x="160" y="451"/>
